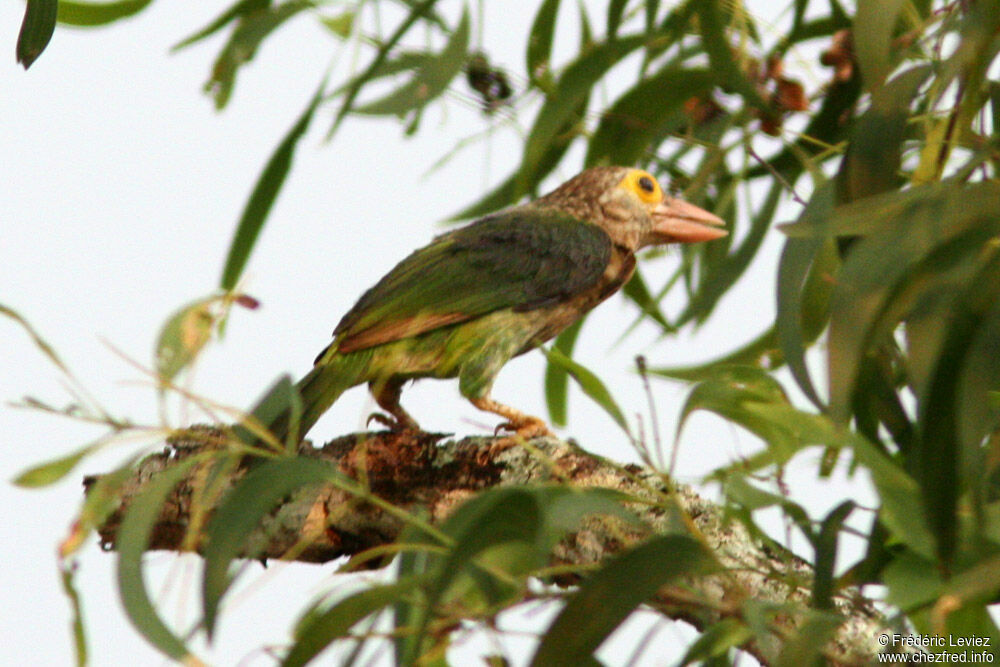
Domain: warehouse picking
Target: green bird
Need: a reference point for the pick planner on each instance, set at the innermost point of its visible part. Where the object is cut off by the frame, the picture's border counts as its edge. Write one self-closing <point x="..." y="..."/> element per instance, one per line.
<point x="476" y="297"/>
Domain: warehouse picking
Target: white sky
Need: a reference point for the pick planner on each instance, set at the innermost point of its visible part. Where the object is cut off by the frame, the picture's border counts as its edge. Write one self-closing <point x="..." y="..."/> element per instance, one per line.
<point x="120" y="187"/>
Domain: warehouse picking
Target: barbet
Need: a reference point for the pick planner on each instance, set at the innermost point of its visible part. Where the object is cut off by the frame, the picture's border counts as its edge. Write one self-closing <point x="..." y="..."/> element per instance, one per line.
<point x="476" y="297"/>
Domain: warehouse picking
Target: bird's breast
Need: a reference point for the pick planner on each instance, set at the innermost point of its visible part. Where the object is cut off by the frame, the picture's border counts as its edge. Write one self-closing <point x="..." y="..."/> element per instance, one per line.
<point x="551" y="320"/>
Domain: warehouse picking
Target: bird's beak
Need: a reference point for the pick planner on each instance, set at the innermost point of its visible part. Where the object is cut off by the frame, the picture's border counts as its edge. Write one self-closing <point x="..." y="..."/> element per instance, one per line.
<point x="676" y="221"/>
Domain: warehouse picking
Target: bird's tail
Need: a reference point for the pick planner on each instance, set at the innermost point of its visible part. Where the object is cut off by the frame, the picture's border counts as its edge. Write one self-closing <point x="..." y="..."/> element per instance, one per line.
<point x="318" y="390"/>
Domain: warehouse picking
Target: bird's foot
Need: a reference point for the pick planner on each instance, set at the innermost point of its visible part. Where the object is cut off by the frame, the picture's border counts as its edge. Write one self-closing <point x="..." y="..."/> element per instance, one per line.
<point x="394" y="424"/>
<point x="527" y="427"/>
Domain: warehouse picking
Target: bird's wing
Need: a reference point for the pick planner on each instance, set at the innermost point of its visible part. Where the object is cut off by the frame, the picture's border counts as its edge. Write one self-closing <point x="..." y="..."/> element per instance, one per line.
<point x="523" y="259"/>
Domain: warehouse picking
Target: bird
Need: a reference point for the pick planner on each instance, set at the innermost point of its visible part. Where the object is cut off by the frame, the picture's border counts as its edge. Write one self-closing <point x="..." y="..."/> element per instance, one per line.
<point x="477" y="296"/>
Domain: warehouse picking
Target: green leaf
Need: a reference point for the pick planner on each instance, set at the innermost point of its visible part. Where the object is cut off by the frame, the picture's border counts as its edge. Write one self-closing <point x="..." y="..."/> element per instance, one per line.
<point x="913" y="581"/>
<point x="341" y="24"/>
<point x="572" y="90"/>
<point x="430" y="80"/>
<point x="504" y="516"/>
<point x="241" y="511"/>
<point x="517" y="185"/>
<point x="131" y="541"/>
<point x="241" y="8"/>
<point x="748" y="497"/>
<point x="647" y="113"/>
<point x="979" y="584"/>
<point x="264" y="194"/>
<point x="93" y="13"/>
<point x="54" y="470"/>
<point x="873" y="159"/>
<point x="902" y="511"/>
<point x="716" y="641"/>
<point x="722" y="56"/>
<point x="610" y="594"/>
<point x="808" y="644"/>
<point x="901" y="229"/>
<point x="727" y="391"/>
<point x="722" y="275"/>
<point x="556" y="376"/>
<point x="537" y="63"/>
<point x="182" y="338"/>
<point x="637" y="292"/>
<point x="762" y="352"/>
<point x="281" y="400"/>
<point x="874" y="26"/>
<point x="36" y="338"/>
<point x="590" y="384"/>
<point x="36" y="30"/>
<point x="102" y="498"/>
<point x="797" y="261"/>
<point x="319" y="629"/>
<point x="825" y="545"/>
<point x="67" y="572"/>
<point x="615" y="10"/>
<point x="942" y="450"/>
<point x="497" y="539"/>
<point x="417" y="11"/>
<point x="253" y="27"/>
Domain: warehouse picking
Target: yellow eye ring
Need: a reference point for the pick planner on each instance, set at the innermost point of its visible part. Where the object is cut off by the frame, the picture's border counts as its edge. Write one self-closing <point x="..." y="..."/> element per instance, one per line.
<point x="644" y="185"/>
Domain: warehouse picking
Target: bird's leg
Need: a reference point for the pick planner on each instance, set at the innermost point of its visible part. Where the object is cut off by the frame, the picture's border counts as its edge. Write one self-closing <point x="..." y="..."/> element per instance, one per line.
<point x="526" y="426"/>
<point x="386" y="394"/>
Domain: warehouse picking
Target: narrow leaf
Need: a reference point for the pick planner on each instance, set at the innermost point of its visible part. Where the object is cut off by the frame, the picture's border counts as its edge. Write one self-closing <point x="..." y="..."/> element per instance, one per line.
<point x="556" y="376"/>
<point x="720" y="276"/>
<point x="131" y="541"/>
<point x="540" y="41"/>
<point x="36" y="30"/>
<point x="807" y="645"/>
<point x="615" y="10"/>
<point x="637" y="292"/>
<point x="874" y="25"/>
<point x="67" y="573"/>
<point x="590" y="384"/>
<point x="36" y="338"/>
<point x="321" y="629"/>
<point x="716" y="641"/>
<point x="507" y="516"/>
<point x="264" y="194"/>
<point x="940" y="455"/>
<point x="572" y="90"/>
<point x="182" y="337"/>
<point x="94" y="14"/>
<point x="825" y="545"/>
<point x="241" y="511"/>
<point x="608" y="596"/>
<point x="647" y="113"/>
<point x="241" y="8"/>
<point x="52" y="471"/>
<point x="722" y="56"/>
<point x="429" y="82"/>
<point x="762" y="352"/>
<point x="252" y="28"/>
<point x="797" y="259"/>
<point x="417" y="11"/>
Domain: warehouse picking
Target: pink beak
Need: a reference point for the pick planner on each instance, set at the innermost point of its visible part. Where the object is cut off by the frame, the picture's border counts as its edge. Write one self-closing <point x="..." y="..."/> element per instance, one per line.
<point x="676" y="221"/>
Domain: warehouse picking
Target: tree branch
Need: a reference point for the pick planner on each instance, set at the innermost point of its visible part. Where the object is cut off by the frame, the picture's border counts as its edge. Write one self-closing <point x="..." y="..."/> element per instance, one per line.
<point x="418" y="475"/>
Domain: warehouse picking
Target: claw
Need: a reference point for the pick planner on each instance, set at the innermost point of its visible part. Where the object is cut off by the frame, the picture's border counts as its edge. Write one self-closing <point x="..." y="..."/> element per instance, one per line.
<point x="394" y="425"/>
<point x="529" y="427"/>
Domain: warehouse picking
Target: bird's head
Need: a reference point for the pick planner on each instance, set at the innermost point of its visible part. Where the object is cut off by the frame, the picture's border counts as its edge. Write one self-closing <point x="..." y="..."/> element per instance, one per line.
<point x="633" y="209"/>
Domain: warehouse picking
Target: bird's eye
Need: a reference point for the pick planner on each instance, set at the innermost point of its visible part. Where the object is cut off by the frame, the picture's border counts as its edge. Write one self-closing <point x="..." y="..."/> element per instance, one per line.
<point x="643" y="185"/>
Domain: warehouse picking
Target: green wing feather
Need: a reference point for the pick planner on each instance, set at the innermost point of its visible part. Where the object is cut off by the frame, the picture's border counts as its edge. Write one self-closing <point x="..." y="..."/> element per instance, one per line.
<point x="523" y="258"/>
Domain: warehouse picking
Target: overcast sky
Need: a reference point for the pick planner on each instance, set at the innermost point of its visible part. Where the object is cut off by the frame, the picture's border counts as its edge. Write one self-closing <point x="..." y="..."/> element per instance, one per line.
<point x="120" y="187"/>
